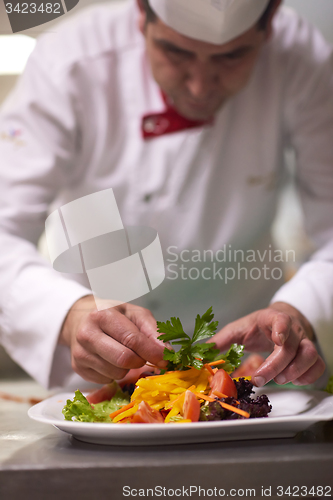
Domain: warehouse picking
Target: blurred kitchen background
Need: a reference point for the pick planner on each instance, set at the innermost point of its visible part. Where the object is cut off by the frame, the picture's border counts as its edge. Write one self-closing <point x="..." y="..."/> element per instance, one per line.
<point x="288" y="228"/>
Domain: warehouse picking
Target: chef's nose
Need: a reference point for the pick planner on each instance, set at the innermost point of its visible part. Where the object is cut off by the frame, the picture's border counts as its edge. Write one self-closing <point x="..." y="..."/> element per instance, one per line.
<point x="201" y="80"/>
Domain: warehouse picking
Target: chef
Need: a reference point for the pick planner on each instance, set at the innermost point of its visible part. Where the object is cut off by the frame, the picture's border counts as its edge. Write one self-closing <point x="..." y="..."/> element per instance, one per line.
<point x="184" y="109"/>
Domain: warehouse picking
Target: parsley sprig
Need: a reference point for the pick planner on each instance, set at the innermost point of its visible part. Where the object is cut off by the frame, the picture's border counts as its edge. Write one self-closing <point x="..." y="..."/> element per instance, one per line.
<point x="192" y="353"/>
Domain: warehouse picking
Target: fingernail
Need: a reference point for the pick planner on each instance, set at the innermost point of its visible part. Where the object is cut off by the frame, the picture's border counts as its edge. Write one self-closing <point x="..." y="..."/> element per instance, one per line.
<point x="281" y="379"/>
<point x="162" y="364"/>
<point x="282" y="338"/>
<point x="259" y="381"/>
<point x="164" y="344"/>
<point x="295" y="382"/>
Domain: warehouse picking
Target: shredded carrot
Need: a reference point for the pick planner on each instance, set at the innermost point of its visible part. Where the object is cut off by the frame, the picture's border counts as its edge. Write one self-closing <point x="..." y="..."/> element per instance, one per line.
<point x="215" y="363"/>
<point x="123" y="408"/>
<point x="235" y="410"/>
<point x="210" y="369"/>
<point x="220" y="394"/>
<point x="203" y="396"/>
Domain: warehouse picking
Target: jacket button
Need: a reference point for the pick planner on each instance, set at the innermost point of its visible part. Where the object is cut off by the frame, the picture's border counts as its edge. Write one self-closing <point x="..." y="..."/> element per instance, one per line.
<point x="147" y="198"/>
<point x="149" y="126"/>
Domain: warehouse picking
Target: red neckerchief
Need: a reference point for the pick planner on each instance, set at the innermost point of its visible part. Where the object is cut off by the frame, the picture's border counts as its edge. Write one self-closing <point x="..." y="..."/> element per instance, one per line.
<point x="168" y="122"/>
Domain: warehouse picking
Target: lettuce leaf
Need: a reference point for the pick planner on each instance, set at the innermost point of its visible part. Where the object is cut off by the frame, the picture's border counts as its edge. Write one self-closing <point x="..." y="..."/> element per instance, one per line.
<point x="329" y="387"/>
<point x="80" y="410"/>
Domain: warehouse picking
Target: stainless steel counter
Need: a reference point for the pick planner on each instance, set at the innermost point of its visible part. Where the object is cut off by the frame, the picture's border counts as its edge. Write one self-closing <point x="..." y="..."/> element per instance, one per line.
<point x="38" y="461"/>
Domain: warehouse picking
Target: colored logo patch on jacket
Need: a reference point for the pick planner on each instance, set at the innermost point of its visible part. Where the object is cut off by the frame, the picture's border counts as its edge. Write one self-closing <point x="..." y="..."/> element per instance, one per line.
<point x="14" y="136"/>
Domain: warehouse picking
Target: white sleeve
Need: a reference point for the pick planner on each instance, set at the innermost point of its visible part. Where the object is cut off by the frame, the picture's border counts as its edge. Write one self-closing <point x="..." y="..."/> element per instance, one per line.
<point x="309" y="119"/>
<point x="38" y="149"/>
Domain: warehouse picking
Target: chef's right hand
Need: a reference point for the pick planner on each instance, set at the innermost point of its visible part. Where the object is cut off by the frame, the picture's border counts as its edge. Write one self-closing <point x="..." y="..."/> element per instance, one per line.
<point x="106" y="344"/>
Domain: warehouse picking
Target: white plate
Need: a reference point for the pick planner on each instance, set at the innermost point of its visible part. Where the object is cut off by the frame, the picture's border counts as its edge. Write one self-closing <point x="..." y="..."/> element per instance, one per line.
<point x="293" y="411"/>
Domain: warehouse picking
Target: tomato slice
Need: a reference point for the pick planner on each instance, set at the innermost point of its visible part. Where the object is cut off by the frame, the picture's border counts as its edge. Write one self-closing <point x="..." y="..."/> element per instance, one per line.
<point x="191" y="407"/>
<point x="222" y="382"/>
<point x="145" y="414"/>
<point x="104" y="394"/>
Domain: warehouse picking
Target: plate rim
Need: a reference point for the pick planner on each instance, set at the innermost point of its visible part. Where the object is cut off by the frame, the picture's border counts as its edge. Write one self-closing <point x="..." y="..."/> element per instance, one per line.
<point x="34" y="413"/>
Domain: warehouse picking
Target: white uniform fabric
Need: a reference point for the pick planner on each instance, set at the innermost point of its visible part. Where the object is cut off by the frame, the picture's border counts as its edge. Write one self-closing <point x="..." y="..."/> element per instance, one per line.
<point x="72" y="127"/>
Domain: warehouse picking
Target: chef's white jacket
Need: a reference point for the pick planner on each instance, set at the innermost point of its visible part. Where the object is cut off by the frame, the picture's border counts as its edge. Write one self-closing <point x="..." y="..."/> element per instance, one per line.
<point x="73" y="127"/>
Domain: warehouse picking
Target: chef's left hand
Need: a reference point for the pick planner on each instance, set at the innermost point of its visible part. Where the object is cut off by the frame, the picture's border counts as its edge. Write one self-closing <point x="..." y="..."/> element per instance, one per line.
<point x="283" y="330"/>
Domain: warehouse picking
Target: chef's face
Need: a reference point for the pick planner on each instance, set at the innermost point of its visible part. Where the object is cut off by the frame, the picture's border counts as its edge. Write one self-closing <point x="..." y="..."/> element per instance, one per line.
<point x="199" y="77"/>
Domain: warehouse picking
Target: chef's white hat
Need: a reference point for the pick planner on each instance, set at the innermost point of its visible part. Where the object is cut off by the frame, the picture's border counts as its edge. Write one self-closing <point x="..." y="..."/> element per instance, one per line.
<point x="213" y="21"/>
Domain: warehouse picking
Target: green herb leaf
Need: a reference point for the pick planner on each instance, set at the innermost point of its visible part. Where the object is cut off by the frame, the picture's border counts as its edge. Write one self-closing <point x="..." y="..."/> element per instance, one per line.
<point x="232" y="358"/>
<point x="191" y="353"/>
<point x="204" y="328"/>
<point x="171" y="331"/>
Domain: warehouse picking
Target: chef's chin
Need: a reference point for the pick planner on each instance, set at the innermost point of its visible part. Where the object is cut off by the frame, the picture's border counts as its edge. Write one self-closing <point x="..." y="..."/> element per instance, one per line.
<point x="196" y="111"/>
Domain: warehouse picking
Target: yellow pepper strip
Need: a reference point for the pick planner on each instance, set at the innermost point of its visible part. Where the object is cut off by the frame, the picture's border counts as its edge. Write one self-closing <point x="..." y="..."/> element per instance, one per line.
<point x="137" y="391"/>
<point x="145" y="384"/>
<point x="123" y="408"/>
<point x="202" y="382"/>
<point x="172" y="413"/>
<point x="184" y="421"/>
<point x="173" y="396"/>
<point x="175" y="401"/>
<point x="179" y="399"/>
<point x="158" y="406"/>
<point x="125" y="414"/>
<point x="167" y="391"/>
<point x="246" y="378"/>
<point x="179" y="390"/>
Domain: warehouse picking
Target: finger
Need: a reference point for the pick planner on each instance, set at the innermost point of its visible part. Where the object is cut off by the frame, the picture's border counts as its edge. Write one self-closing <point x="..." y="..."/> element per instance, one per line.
<point x="281" y="325"/>
<point x="312" y="374"/>
<point x="104" y="393"/>
<point x="91" y="375"/>
<point x="306" y="357"/>
<point x="83" y="359"/>
<point x="93" y="344"/>
<point x="232" y="333"/>
<point x="277" y="361"/>
<point x="125" y="332"/>
<point x="244" y="331"/>
<point x="145" y="321"/>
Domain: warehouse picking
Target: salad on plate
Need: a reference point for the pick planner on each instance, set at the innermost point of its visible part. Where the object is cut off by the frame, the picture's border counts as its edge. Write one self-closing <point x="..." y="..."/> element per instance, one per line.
<point x="196" y="386"/>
